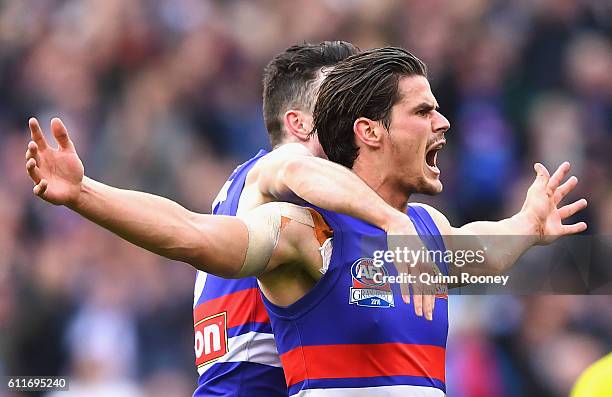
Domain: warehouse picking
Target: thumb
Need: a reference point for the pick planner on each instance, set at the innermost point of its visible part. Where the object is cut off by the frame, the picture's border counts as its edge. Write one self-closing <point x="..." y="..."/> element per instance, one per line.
<point x="60" y="133"/>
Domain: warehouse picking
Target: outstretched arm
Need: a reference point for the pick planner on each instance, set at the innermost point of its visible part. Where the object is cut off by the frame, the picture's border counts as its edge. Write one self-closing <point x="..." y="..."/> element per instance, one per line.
<point x="166" y="228"/>
<point x="539" y="222"/>
<point x="151" y="222"/>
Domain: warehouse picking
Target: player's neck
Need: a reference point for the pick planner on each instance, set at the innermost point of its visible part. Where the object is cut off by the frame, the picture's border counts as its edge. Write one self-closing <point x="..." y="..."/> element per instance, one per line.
<point x="384" y="185"/>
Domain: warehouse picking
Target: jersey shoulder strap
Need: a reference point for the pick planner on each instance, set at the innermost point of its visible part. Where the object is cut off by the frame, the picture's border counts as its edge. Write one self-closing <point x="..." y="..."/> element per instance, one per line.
<point x="428" y="231"/>
<point x="226" y="202"/>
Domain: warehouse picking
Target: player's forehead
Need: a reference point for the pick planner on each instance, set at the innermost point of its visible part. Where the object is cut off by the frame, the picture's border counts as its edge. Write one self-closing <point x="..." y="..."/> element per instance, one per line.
<point x="415" y="90"/>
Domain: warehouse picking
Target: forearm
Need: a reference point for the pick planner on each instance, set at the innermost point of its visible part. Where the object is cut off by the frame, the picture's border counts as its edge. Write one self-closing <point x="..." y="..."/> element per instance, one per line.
<point x="335" y="188"/>
<point x="154" y="223"/>
<point x="500" y="243"/>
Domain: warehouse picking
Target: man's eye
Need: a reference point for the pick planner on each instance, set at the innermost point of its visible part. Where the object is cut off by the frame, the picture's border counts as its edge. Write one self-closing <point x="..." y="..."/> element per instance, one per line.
<point x="423" y="112"/>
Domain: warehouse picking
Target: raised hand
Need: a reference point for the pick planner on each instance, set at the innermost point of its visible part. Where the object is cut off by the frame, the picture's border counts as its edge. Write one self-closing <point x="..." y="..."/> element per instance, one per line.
<point x="542" y="204"/>
<point x="57" y="173"/>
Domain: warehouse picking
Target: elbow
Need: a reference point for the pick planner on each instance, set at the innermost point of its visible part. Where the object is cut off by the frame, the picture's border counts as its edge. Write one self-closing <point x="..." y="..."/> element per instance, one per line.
<point x="294" y="165"/>
<point x="286" y="182"/>
<point x="291" y="170"/>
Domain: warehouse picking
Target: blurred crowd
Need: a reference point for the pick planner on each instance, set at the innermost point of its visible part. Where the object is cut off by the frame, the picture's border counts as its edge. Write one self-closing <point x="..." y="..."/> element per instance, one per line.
<point x="165" y="96"/>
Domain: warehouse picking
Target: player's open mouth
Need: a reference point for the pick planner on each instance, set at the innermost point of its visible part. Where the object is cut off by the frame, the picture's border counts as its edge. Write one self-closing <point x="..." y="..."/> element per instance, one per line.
<point x="432" y="155"/>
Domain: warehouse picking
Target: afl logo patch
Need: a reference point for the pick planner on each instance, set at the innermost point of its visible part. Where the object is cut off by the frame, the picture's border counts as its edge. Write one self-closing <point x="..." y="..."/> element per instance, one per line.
<point x="370" y="287"/>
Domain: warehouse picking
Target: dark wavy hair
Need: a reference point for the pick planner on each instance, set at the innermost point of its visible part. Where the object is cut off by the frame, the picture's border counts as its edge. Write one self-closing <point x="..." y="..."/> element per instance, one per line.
<point x="363" y="85"/>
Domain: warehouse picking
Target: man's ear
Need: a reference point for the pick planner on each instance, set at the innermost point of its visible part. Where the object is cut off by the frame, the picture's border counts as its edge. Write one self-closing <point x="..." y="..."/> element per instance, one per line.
<point x="369" y="132"/>
<point x="298" y="124"/>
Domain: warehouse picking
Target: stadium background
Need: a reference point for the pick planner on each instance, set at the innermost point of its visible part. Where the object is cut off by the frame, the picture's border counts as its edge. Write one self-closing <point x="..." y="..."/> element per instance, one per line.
<point x="164" y="96"/>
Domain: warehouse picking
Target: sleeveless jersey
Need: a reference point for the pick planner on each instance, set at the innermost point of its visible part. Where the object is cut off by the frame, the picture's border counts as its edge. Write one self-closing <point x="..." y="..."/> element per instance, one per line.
<point x="235" y="351"/>
<point x="352" y="334"/>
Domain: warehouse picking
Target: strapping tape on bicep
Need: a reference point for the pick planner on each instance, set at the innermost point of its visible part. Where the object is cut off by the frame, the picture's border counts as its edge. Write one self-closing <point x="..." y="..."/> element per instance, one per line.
<point x="264" y="225"/>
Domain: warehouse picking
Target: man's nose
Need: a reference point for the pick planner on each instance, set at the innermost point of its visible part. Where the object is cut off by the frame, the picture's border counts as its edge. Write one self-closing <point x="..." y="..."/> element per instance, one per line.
<point x="440" y="123"/>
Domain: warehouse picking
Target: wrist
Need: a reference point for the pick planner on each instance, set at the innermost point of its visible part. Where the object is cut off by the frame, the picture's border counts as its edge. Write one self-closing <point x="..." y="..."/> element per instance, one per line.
<point x="527" y="225"/>
<point x="78" y="202"/>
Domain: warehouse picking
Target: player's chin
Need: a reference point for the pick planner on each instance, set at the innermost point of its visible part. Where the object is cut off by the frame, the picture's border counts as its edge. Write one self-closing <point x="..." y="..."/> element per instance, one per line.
<point x="431" y="182"/>
<point x="432" y="187"/>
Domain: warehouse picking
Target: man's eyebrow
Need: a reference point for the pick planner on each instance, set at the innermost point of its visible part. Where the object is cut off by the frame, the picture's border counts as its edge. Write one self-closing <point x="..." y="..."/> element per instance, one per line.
<point x="426" y="106"/>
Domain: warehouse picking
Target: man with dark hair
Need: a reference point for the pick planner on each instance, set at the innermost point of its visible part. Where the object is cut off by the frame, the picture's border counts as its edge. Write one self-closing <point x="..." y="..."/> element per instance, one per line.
<point x="369" y="91"/>
<point x="235" y="350"/>
<point x="291" y="80"/>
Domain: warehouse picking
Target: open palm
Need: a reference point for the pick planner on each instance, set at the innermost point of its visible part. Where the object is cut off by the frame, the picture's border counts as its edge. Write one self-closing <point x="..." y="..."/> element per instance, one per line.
<point x="57" y="173"/>
<point x="542" y="204"/>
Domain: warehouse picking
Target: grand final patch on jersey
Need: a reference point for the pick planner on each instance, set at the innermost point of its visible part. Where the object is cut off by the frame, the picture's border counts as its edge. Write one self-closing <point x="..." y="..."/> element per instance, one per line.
<point x="370" y="288"/>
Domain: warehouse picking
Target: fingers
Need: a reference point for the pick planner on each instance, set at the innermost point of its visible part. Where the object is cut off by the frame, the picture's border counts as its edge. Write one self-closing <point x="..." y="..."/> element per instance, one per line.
<point x="403" y="268"/>
<point x="564" y="189"/>
<point x="541" y="171"/>
<point x="417" y="300"/>
<point x="33" y="171"/>
<point x="423" y="294"/>
<point x="61" y="134"/>
<point x="424" y="303"/>
<point x="37" y="134"/>
<point x="57" y="129"/>
<point x="433" y="306"/>
<point x="575" y="228"/>
<point x="425" y="291"/>
<point x="32" y="152"/>
<point x="405" y="289"/>
<point x="40" y="188"/>
<point x="428" y="306"/>
<point x="570" y="209"/>
<point x="558" y="176"/>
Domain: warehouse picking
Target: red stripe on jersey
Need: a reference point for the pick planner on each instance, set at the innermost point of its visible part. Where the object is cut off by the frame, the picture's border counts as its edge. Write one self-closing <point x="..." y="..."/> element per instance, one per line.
<point x="363" y="361"/>
<point x="242" y="307"/>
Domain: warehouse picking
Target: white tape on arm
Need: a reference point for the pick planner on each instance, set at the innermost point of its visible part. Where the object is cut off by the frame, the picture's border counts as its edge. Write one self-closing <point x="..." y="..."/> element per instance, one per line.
<point x="264" y="226"/>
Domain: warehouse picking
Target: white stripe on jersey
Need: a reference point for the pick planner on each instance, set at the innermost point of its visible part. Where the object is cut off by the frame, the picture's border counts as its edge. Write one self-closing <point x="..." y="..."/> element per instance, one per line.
<point x="254" y="347"/>
<point x="380" y="391"/>
<point x="199" y="286"/>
